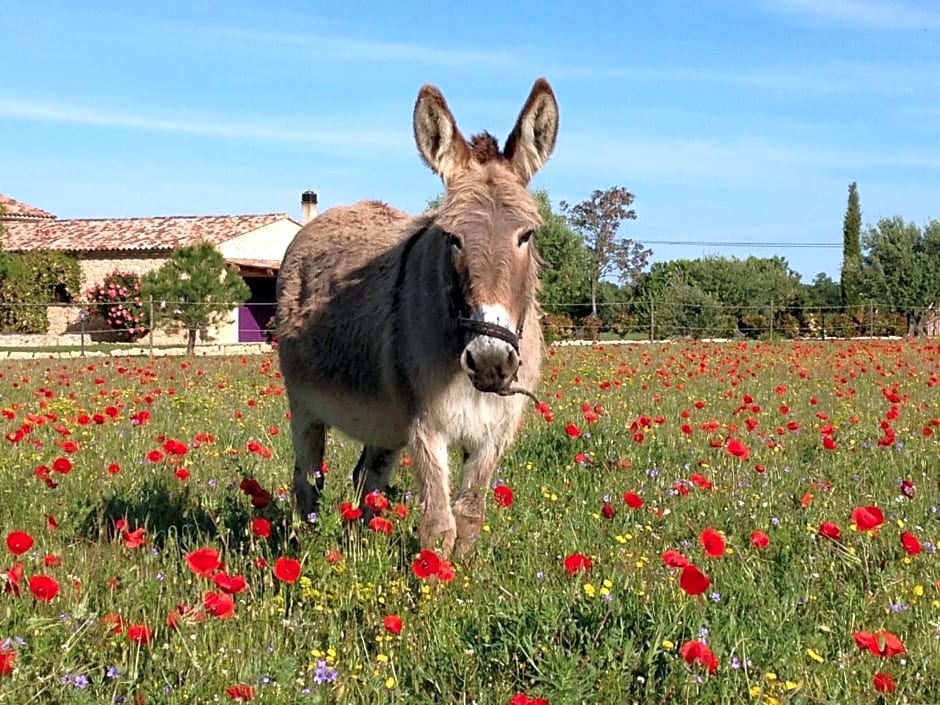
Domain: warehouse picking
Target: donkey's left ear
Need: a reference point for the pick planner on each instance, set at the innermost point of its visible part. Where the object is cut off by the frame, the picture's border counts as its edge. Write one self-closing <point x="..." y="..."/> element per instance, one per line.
<point x="532" y="140"/>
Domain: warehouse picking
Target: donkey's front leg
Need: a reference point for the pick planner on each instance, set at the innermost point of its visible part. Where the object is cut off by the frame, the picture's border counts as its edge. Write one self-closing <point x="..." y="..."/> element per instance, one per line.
<point x="429" y="451"/>
<point x="470" y="505"/>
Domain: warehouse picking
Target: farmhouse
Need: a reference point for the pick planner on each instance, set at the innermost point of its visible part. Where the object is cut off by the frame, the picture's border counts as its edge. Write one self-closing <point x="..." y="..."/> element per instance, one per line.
<point x="255" y="244"/>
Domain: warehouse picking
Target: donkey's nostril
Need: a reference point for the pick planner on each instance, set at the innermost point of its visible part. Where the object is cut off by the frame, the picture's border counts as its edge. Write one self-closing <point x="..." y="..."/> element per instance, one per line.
<point x="469" y="362"/>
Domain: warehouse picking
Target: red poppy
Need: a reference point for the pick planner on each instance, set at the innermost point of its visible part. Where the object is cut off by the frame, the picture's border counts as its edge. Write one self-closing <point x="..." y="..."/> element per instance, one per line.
<point x="693" y="581"/>
<point x="240" y="693"/>
<point x="608" y="511"/>
<point x="135" y="538"/>
<point x="577" y="563"/>
<point x="232" y="584"/>
<point x="218" y="604"/>
<point x="908" y="489"/>
<point x="759" y="539"/>
<point x="181" y="474"/>
<point x="154" y="456"/>
<point x="830" y="531"/>
<point x="114" y="622"/>
<point x="884" y="683"/>
<point x="712" y="542"/>
<point x="503" y="495"/>
<point x="867" y="518"/>
<point x="632" y="500"/>
<point x="376" y="501"/>
<point x="204" y="561"/>
<point x="287" y="569"/>
<point x="140" y="634"/>
<point x="700" y="481"/>
<point x="261" y="527"/>
<point x="883" y="643"/>
<point x="14" y="577"/>
<point x="43" y="587"/>
<point x="114" y="469"/>
<point x="333" y="557"/>
<point x="573" y="431"/>
<point x="697" y="652"/>
<point x="51" y="523"/>
<point x="738" y="449"/>
<point x="348" y="512"/>
<point x="674" y="559"/>
<point x="63" y="466"/>
<point x="19" y="542"/>
<point x="175" y="447"/>
<point x="829" y="444"/>
<point x="392" y="623"/>
<point x="911" y="543"/>
<point x="381" y="525"/>
<point x="7" y="659"/>
<point x="446" y="572"/>
<point x="426" y="564"/>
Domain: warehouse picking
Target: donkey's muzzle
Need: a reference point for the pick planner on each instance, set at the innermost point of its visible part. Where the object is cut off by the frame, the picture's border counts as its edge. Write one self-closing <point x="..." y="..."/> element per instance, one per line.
<point x="490" y="363"/>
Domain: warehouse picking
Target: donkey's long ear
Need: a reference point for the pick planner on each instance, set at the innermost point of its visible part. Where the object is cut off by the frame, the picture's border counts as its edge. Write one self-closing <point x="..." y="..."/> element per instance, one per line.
<point x="532" y="140"/>
<point x="440" y="143"/>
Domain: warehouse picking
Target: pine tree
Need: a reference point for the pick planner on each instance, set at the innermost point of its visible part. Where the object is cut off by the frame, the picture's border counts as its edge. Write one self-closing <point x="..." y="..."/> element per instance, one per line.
<point x="194" y="290"/>
<point x="851" y="249"/>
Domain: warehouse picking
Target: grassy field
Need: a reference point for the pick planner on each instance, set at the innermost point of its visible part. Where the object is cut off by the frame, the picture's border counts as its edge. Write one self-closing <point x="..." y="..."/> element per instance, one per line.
<point x="680" y="523"/>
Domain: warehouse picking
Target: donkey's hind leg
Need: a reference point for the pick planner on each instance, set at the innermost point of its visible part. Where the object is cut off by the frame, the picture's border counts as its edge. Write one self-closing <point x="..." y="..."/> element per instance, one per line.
<point x="372" y="473"/>
<point x="309" y="436"/>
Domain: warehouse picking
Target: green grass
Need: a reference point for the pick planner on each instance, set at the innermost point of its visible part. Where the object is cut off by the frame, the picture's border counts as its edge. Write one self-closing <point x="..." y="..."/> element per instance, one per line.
<point x="780" y="620"/>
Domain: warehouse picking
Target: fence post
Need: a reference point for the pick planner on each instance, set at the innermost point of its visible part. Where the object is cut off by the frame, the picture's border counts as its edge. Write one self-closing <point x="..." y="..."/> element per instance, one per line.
<point x="150" y="326"/>
<point x="771" y="319"/>
<point x="652" y="323"/>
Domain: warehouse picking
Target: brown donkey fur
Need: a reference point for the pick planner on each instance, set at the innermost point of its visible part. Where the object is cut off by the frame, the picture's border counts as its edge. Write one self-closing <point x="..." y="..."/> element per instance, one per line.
<point x="414" y="331"/>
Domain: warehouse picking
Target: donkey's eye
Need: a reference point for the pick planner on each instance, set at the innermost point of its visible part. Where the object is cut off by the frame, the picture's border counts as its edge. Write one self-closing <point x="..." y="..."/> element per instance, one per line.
<point x="525" y="237"/>
<point x="455" y="241"/>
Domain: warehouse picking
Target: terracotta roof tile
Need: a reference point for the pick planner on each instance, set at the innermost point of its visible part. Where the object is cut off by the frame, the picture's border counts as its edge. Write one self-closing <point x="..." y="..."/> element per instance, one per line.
<point x="131" y="234"/>
<point x="13" y="209"/>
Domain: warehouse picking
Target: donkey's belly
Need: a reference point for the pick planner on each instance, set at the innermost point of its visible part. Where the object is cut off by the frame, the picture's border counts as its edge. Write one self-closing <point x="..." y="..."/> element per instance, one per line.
<point x="374" y="422"/>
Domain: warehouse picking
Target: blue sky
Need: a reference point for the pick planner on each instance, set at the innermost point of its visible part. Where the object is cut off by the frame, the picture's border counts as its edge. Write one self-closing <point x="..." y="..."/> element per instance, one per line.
<point x="731" y="120"/>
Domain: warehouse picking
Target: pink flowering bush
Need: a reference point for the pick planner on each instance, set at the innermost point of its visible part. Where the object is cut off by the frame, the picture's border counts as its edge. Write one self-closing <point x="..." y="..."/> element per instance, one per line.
<point x="117" y="302"/>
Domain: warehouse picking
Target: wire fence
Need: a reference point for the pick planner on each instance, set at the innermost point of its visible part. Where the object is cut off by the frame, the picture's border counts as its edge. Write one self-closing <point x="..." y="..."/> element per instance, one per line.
<point x="38" y="325"/>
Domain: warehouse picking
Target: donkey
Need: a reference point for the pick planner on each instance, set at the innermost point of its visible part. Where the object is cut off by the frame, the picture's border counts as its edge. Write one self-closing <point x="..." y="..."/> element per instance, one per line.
<point x="420" y="331"/>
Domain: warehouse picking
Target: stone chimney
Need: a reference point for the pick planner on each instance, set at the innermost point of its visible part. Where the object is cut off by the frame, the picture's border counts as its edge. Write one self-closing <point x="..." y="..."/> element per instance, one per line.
<point x="308" y="206"/>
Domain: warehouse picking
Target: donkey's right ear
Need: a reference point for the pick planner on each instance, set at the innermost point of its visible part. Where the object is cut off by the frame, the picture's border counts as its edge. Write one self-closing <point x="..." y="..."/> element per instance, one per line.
<point x="440" y="143"/>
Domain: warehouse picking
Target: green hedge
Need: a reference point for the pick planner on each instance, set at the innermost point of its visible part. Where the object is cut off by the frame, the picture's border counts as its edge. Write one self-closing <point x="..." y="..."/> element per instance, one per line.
<point x="34" y="278"/>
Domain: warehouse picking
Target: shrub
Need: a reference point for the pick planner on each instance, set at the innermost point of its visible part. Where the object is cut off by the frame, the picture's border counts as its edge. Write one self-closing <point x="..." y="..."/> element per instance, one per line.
<point x="556" y="326"/>
<point x="117" y="302"/>
<point x="29" y="282"/>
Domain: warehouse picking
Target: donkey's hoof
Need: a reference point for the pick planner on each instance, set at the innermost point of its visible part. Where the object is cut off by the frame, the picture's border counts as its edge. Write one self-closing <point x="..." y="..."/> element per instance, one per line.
<point x="438" y="536"/>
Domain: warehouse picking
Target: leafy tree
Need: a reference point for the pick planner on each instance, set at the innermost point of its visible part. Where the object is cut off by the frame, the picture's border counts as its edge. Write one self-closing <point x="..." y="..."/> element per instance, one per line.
<point x="597" y="220"/>
<point x="823" y="292"/>
<point x="851" y="249"/>
<point x="901" y="267"/>
<point x="566" y="272"/>
<point x="196" y="289"/>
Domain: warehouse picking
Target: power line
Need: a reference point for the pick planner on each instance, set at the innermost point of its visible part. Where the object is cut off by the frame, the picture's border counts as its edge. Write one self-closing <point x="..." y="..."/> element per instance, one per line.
<point x="779" y="245"/>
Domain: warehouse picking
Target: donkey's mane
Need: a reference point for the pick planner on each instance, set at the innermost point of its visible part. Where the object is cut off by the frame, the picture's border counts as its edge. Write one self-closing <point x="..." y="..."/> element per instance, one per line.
<point x="485" y="148"/>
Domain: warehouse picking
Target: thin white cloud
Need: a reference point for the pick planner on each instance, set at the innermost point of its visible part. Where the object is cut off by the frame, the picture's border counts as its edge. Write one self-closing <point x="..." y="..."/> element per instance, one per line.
<point x="739" y="163"/>
<point x="352" y="49"/>
<point x="875" y="14"/>
<point x="321" y="136"/>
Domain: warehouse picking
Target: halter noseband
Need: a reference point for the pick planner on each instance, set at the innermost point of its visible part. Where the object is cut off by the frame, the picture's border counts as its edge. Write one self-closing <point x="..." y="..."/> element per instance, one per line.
<point x="490" y="330"/>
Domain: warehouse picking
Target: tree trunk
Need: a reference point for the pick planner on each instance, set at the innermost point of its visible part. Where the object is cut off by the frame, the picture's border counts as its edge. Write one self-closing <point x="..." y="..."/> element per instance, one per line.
<point x="594" y="297"/>
<point x="191" y="342"/>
